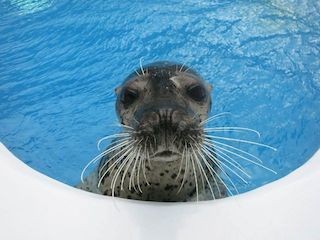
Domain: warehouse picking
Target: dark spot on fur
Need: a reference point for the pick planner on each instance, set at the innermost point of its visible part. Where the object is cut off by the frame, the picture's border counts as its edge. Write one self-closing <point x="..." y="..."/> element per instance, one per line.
<point x="173" y="176"/>
<point x="157" y="184"/>
<point x="167" y="171"/>
<point x="190" y="184"/>
<point x="161" y="174"/>
<point x="148" y="168"/>
<point x="168" y="187"/>
<point x="192" y="193"/>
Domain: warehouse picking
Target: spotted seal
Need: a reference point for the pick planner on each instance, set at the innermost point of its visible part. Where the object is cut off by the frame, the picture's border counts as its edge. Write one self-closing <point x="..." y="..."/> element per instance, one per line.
<point x="159" y="155"/>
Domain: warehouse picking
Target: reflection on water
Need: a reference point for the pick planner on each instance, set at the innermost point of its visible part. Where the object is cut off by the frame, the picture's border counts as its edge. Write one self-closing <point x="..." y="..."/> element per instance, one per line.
<point x="31" y="6"/>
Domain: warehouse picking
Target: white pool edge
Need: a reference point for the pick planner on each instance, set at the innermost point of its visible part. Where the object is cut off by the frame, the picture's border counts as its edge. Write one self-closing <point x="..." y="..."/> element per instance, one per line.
<point x="34" y="206"/>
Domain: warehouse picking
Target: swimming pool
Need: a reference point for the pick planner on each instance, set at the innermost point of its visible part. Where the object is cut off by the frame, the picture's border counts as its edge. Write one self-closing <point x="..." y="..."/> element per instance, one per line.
<point x="60" y="61"/>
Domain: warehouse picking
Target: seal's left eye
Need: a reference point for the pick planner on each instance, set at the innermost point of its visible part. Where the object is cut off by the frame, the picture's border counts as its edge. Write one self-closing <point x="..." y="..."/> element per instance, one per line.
<point x="197" y="92"/>
<point x="129" y="96"/>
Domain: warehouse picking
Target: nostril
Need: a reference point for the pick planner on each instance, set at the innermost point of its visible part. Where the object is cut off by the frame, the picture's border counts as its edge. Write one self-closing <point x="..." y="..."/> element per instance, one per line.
<point x="178" y="116"/>
<point x="148" y="120"/>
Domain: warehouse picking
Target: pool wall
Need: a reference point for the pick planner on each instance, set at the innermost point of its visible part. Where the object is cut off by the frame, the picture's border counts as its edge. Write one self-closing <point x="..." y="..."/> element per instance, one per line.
<point x="34" y="206"/>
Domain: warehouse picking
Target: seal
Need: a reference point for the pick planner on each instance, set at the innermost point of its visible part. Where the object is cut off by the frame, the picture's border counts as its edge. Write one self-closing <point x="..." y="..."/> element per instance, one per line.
<point x="160" y="154"/>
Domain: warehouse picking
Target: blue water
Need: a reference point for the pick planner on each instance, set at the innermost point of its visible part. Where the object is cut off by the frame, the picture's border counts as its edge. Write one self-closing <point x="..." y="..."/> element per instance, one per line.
<point x="61" y="60"/>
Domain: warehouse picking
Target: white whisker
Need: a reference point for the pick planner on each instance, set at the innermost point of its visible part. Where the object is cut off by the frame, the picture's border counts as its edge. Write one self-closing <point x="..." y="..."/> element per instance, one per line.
<point x="232" y="164"/>
<point x="225" y="129"/>
<point x="128" y="164"/>
<point x="117" y="135"/>
<point x="209" y="167"/>
<point x="138" y="173"/>
<point x="214" y="117"/>
<point x="205" y="175"/>
<point x="234" y="148"/>
<point x="187" y="158"/>
<point x="181" y="163"/>
<point x="216" y="162"/>
<point x="141" y="68"/>
<point x="117" y="173"/>
<point x="197" y="161"/>
<point x="245" y="158"/>
<point x="240" y="140"/>
<point x="128" y="149"/>
<point x="125" y="147"/>
<point x="136" y="159"/>
<point x="137" y="73"/>
<point x="107" y="151"/>
<point x="180" y="70"/>
<point x="144" y="162"/>
<point x="195" y="177"/>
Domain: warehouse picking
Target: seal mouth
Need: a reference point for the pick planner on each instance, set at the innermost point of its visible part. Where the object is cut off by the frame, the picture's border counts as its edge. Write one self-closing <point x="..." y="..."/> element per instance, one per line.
<point x="166" y="156"/>
<point x="165" y="153"/>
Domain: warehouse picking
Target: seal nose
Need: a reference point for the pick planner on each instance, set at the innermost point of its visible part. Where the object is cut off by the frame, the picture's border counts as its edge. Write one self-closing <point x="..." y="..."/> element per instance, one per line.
<point x="175" y="119"/>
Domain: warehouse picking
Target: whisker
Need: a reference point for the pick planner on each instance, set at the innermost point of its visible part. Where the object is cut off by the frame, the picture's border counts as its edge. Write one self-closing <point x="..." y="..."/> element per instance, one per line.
<point x="186" y="169"/>
<point x="137" y="158"/>
<point x="245" y="158"/>
<point x="117" y="124"/>
<point x="128" y="149"/>
<point x="144" y="162"/>
<point x="239" y="129"/>
<point x="119" y="145"/>
<point x="197" y="162"/>
<point x="180" y="70"/>
<point x="140" y="62"/>
<point x="234" y="148"/>
<point x="137" y="73"/>
<point x="128" y="163"/>
<point x="214" y="117"/>
<point x="180" y="168"/>
<point x="125" y="126"/>
<point x="209" y="167"/>
<point x="138" y="173"/>
<point x="195" y="177"/>
<point x="232" y="164"/>
<point x="117" y="135"/>
<point x="240" y="140"/>
<point x="117" y="173"/>
<point x="216" y="162"/>
<point x="130" y="144"/>
<point x="205" y="175"/>
<point x="113" y="142"/>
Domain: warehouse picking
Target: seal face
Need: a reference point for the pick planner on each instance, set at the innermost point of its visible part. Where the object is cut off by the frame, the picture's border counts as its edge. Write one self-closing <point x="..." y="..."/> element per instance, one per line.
<point x="159" y="155"/>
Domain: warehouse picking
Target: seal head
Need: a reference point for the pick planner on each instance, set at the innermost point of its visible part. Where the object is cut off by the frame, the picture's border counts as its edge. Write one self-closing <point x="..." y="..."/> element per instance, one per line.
<point x="164" y="101"/>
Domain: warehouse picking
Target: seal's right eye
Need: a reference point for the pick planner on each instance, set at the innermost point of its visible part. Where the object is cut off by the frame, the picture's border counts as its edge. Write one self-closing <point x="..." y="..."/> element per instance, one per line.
<point x="129" y="96"/>
<point x="197" y="92"/>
